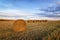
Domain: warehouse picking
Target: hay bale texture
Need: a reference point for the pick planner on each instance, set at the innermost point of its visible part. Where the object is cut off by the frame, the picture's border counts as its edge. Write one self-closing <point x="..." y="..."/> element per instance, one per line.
<point x="19" y="26"/>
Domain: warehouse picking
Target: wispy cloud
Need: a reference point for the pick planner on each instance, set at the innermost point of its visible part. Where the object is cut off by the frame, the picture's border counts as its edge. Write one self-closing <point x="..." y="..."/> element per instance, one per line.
<point x="30" y="9"/>
<point x="51" y="12"/>
<point x="15" y="14"/>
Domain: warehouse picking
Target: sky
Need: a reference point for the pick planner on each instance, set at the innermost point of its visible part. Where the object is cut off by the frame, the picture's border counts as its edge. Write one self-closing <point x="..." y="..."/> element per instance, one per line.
<point x="30" y="9"/>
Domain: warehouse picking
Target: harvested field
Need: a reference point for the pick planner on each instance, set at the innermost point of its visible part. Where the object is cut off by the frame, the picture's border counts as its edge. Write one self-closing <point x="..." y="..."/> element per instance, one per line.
<point x="10" y="30"/>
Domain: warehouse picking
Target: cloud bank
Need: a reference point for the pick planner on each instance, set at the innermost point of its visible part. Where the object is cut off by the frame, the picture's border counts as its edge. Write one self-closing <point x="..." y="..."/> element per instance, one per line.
<point x="30" y="9"/>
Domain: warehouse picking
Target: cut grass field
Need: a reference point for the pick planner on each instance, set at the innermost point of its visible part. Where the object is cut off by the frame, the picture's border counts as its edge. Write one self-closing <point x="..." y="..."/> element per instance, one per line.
<point x="45" y="30"/>
<point x="49" y="30"/>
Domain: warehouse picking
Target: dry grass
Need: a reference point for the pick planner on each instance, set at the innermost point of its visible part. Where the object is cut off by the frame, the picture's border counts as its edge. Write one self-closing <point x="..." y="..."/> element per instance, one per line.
<point x="35" y="31"/>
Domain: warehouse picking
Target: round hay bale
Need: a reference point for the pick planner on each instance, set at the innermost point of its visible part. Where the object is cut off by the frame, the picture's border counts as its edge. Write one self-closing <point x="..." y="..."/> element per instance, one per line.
<point x="19" y="26"/>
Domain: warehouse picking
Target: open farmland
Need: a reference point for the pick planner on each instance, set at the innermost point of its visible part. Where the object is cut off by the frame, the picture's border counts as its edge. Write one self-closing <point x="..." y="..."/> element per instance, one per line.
<point x="49" y="30"/>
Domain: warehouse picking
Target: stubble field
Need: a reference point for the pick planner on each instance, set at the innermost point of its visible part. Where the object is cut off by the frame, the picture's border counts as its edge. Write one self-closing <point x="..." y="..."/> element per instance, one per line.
<point x="49" y="30"/>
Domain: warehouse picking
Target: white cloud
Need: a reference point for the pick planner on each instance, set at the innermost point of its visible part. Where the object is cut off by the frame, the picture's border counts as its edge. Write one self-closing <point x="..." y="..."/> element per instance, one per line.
<point x="21" y="14"/>
<point x="13" y="13"/>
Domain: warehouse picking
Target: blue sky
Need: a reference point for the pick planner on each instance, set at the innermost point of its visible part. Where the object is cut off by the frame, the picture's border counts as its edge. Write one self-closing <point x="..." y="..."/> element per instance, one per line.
<point x="30" y="9"/>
